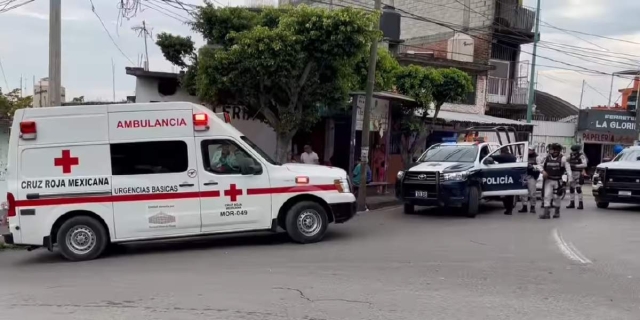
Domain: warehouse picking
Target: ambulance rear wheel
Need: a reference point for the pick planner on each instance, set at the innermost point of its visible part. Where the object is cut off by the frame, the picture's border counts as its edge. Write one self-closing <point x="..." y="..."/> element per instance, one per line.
<point x="474" y="202"/>
<point x="306" y="222"/>
<point x="82" y="238"/>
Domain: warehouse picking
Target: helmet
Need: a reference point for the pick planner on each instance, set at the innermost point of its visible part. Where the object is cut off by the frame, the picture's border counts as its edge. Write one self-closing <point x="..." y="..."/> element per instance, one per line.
<point x="555" y="147"/>
<point x="532" y="148"/>
<point x="617" y="149"/>
<point x="575" y="148"/>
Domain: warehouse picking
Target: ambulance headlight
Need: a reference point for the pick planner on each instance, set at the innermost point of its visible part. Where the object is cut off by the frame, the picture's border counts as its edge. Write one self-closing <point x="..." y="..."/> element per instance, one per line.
<point x="342" y="185"/>
<point x="456" y="176"/>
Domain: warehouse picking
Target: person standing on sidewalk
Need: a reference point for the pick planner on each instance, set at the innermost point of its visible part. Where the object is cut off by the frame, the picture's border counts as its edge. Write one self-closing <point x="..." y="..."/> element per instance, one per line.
<point x="555" y="165"/>
<point x="533" y="173"/>
<point x="578" y="163"/>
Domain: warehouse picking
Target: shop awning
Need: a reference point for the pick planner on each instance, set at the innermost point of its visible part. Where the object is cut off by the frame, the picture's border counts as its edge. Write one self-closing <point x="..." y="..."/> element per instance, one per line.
<point x="478" y="118"/>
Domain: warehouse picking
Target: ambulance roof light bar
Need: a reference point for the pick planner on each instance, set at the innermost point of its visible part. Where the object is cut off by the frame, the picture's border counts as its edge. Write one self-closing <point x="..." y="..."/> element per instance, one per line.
<point x="200" y="122"/>
<point x="28" y="130"/>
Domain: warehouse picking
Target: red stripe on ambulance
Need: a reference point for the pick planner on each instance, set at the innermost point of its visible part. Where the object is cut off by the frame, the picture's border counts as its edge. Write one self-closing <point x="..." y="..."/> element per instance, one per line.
<point x="168" y="196"/>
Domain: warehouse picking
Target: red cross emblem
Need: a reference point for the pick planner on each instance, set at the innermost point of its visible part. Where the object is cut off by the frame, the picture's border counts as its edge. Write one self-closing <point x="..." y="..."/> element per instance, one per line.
<point x="233" y="193"/>
<point x="66" y="161"/>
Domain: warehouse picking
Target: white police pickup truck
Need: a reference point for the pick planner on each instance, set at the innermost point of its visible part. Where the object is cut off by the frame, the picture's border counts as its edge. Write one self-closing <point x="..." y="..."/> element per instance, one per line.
<point x="461" y="174"/>
<point x="618" y="181"/>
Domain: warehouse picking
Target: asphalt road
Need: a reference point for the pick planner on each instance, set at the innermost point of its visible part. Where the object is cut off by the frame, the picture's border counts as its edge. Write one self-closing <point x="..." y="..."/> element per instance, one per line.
<point x="381" y="265"/>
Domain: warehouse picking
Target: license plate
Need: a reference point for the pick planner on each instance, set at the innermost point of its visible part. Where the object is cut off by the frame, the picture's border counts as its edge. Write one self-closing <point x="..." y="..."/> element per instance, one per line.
<point x="421" y="194"/>
<point x="624" y="193"/>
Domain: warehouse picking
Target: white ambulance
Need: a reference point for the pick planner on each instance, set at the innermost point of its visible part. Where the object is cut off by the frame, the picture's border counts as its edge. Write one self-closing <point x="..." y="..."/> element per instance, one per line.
<point x="84" y="177"/>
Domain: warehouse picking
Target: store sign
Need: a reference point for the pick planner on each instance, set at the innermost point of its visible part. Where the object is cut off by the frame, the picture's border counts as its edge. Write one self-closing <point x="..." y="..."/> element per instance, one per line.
<point x="615" y="122"/>
<point x="606" y="138"/>
<point x="379" y="116"/>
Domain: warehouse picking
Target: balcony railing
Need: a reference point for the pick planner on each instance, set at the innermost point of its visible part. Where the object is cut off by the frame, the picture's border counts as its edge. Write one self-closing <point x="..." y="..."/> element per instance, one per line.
<point x="514" y="17"/>
<point x="508" y="91"/>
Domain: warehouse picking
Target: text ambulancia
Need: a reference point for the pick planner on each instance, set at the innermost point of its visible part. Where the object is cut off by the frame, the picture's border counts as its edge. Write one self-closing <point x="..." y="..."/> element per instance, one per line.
<point x="82" y="177"/>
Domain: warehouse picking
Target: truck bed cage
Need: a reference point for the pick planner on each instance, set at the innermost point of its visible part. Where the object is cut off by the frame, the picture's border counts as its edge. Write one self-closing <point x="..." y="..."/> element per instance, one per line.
<point x="495" y="129"/>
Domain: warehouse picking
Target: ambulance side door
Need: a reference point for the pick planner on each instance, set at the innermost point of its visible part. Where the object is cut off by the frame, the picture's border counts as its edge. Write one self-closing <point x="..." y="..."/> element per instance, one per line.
<point x="155" y="188"/>
<point x="505" y="179"/>
<point x="232" y="200"/>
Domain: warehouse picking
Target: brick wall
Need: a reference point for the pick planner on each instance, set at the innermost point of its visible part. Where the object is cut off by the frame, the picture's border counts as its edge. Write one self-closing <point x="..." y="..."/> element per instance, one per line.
<point x="442" y="11"/>
<point x="481" y="100"/>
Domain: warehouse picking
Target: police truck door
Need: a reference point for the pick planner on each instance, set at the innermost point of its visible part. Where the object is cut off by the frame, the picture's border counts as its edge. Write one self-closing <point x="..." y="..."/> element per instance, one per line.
<point x="234" y="186"/>
<point x="505" y="179"/>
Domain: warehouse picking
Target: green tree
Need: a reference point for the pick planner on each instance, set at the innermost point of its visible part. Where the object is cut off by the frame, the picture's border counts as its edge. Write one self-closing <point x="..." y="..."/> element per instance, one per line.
<point x="430" y="88"/>
<point x="386" y="69"/>
<point x="12" y="101"/>
<point x="281" y="64"/>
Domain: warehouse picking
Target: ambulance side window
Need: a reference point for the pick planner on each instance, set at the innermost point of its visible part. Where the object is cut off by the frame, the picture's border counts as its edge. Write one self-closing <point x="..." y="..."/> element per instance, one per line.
<point x="151" y="157"/>
<point x="226" y="157"/>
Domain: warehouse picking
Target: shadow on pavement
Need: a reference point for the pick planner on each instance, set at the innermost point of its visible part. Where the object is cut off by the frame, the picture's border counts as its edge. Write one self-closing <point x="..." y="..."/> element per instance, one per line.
<point x="439" y="212"/>
<point x="220" y="242"/>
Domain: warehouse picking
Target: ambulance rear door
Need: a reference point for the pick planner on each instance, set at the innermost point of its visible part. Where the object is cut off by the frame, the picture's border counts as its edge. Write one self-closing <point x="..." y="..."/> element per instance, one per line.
<point x="66" y="167"/>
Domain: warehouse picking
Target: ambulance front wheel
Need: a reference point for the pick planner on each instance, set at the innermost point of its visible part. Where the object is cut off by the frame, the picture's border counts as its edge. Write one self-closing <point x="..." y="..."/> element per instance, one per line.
<point x="306" y="222"/>
<point x="82" y="238"/>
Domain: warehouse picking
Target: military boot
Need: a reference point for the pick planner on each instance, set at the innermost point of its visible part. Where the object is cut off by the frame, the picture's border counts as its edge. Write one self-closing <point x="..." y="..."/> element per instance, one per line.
<point x="580" y="206"/>
<point x="524" y="209"/>
<point x="571" y="205"/>
<point x="556" y="214"/>
<point x="532" y="209"/>
<point x="545" y="213"/>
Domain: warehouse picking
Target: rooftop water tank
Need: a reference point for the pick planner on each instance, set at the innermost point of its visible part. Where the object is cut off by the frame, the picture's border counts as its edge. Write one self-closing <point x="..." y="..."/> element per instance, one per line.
<point x="390" y="23"/>
<point x="460" y="47"/>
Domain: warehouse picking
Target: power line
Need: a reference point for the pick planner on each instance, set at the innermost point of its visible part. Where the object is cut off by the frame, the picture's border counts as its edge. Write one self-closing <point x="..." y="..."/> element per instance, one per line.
<point x="4" y="75"/>
<point x="596" y="90"/>
<point x="93" y="9"/>
<point x="7" y="9"/>
<point x="591" y="34"/>
<point x="165" y="12"/>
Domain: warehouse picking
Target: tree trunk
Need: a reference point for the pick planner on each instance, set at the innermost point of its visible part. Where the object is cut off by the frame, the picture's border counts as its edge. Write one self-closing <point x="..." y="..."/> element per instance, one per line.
<point x="283" y="147"/>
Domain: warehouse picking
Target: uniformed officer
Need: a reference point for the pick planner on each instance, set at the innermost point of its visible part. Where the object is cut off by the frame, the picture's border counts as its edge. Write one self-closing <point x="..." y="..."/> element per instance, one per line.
<point x="578" y="163"/>
<point x="554" y="166"/>
<point x="533" y="172"/>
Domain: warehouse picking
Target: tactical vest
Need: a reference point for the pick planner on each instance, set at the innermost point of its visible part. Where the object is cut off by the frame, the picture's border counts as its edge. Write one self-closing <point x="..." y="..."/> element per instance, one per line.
<point x="575" y="160"/>
<point x="554" y="168"/>
<point x="530" y="169"/>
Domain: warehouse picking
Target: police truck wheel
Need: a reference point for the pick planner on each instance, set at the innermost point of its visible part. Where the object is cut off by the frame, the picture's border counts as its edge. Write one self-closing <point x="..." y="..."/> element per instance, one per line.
<point x="306" y="222"/>
<point x="602" y="205"/>
<point x="471" y="209"/>
<point x="409" y="208"/>
<point x="82" y="238"/>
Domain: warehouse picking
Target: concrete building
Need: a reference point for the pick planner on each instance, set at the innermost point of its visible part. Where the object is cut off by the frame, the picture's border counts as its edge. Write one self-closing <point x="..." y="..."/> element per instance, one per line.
<point x="481" y="37"/>
<point x="41" y="94"/>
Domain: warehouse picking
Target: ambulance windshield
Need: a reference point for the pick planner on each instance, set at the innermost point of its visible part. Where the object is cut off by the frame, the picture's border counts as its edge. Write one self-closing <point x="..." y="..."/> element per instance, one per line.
<point x="257" y="149"/>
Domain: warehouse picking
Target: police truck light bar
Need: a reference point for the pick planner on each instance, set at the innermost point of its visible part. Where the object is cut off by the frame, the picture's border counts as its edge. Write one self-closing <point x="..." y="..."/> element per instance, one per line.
<point x="200" y="122"/>
<point x="28" y="130"/>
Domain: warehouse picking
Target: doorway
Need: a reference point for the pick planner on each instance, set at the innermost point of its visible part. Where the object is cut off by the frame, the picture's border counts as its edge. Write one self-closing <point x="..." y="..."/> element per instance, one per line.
<point x="593" y="152"/>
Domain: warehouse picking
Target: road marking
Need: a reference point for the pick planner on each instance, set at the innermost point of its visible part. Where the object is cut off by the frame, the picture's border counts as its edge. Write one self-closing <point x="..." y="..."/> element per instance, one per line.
<point x="568" y="249"/>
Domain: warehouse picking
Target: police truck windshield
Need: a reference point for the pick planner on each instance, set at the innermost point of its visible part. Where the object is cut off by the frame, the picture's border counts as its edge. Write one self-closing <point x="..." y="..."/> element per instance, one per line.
<point x="451" y="153"/>
<point x="628" y="155"/>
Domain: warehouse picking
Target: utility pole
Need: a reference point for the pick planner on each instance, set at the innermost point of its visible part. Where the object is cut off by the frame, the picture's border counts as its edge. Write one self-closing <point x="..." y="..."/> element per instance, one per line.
<point x="21" y="86"/>
<point x="113" y="79"/>
<point x="582" y="94"/>
<point x="143" y="32"/>
<point x="55" y="52"/>
<point x="610" y="90"/>
<point x="636" y="84"/>
<point x="536" y="38"/>
<point x="366" y="119"/>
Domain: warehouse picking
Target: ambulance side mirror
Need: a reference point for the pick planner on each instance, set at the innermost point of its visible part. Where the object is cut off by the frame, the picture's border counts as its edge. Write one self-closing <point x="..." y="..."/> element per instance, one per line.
<point x="247" y="170"/>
